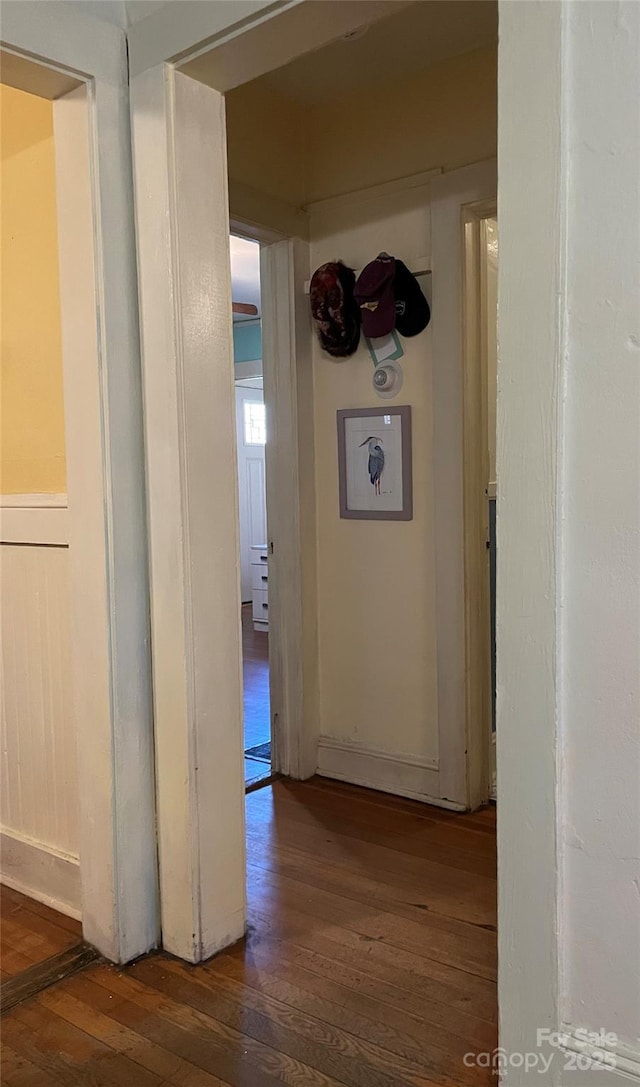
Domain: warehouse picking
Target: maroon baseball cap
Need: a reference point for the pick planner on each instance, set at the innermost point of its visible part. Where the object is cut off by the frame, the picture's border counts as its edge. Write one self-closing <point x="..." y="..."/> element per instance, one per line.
<point x="375" y="296"/>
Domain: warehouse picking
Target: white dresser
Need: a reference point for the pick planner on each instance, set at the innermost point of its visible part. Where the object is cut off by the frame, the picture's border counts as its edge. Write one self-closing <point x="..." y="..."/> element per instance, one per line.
<point x="260" y="586"/>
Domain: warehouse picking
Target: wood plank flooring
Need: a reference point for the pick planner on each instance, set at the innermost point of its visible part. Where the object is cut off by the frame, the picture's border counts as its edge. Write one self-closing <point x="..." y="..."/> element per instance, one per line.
<point x="31" y="933"/>
<point x="255" y="669"/>
<point x="255" y="687"/>
<point x="370" y="962"/>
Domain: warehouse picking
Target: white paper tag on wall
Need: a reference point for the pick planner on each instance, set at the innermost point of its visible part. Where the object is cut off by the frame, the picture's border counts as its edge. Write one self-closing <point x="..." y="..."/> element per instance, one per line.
<point x="385" y="348"/>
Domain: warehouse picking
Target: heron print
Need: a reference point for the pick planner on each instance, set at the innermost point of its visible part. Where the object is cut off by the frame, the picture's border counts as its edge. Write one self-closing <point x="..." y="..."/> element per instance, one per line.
<point x="376" y="461"/>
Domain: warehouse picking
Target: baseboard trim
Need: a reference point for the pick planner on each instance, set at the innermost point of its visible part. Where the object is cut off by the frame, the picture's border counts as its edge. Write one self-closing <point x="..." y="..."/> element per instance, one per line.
<point x="41" y="523"/>
<point x="626" y="1057"/>
<point x="41" y="872"/>
<point x="400" y="774"/>
<point x="33" y="501"/>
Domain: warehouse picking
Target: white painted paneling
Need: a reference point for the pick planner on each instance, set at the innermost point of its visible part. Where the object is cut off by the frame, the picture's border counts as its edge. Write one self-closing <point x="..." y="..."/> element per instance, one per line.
<point x="39" y="793"/>
<point x="39" y="796"/>
<point x="49" y="875"/>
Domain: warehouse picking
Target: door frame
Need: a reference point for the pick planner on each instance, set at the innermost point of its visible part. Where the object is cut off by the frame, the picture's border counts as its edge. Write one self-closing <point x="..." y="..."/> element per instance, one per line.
<point x="189" y="400"/>
<point x="108" y="601"/>
<point x="451" y="194"/>
<point x="284" y="269"/>
<point x="191" y="460"/>
<point x="476" y="525"/>
<point x="531" y="281"/>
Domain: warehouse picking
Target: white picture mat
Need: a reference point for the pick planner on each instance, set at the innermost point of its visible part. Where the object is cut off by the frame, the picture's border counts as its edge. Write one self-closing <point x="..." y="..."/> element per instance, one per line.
<point x="360" y="491"/>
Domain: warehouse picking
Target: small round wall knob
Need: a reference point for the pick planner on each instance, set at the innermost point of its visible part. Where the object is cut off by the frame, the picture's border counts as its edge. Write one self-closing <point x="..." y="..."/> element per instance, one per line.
<point x="387" y="380"/>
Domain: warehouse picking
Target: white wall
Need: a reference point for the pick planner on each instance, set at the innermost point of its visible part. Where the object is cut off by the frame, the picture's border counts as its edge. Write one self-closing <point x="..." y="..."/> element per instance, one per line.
<point x="448" y="119"/>
<point x="376" y="579"/>
<point x="600" y="628"/>
<point x="569" y="532"/>
<point x="443" y="118"/>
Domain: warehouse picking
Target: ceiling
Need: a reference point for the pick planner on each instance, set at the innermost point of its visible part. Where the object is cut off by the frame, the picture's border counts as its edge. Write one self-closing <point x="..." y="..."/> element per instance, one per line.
<point x="136" y="10"/>
<point x="245" y="273"/>
<point x="397" y="46"/>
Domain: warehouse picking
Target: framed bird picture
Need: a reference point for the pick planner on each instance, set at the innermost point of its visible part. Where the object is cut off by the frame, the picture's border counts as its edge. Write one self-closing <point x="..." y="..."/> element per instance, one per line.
<point x="374" y="463"/>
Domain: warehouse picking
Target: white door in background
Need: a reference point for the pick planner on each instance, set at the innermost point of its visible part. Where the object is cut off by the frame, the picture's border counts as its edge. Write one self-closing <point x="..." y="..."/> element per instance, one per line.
<point x="250" y="422"/>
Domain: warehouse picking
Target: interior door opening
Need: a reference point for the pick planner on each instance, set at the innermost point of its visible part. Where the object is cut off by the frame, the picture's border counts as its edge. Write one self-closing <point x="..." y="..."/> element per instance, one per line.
<point x="252" y="504"/>
<point x="481" y="365"/>
<point x="489" y="234"/>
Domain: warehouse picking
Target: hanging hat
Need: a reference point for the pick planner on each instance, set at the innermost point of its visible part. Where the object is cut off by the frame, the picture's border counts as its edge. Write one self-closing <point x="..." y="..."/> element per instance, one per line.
<point x="412" y="311"/>
<point x="374" y="295"/>
<point x="334" y="310"/>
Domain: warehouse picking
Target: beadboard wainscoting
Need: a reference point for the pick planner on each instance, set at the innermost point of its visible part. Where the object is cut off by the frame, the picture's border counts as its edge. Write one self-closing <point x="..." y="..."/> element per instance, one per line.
<point x="39" y="804"/>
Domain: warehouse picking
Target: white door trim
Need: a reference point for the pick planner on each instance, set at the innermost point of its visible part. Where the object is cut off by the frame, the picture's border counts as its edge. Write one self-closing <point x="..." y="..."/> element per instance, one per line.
<point x="476" y="521"/>
<point x="107" y="547"/>
<point x="106" y="521"/>
<point x="284" y="267"/>
<point x="450" y="193"/>
<point x="188" y="381"/>
<point x="531" y="279"/>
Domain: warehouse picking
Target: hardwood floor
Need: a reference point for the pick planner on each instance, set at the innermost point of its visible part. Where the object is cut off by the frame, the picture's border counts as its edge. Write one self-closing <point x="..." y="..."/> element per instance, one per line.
<point x="255" y="770"/>
<point x="370" y="962"/>
<point x="255" y="676"/>
<point x="31" y="933"/>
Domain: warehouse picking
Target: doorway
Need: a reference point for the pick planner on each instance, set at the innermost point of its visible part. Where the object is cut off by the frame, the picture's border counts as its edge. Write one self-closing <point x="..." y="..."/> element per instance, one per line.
<point x="399" y="728"/>
<point x="251" y="433"/>
<point x="490" y="250"/>
<point x="480" y="490"/>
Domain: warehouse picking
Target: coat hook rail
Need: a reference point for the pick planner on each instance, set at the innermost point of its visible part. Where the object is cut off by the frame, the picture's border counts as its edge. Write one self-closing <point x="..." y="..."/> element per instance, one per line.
<point x="418" y="267"/>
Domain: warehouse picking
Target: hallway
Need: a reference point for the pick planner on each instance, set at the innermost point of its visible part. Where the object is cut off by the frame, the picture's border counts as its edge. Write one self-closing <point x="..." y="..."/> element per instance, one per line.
<point x="370" y="962"/>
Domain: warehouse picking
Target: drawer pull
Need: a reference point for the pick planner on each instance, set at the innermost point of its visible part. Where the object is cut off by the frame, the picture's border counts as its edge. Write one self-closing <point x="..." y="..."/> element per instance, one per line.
<point x="265" y="577"/>
<point x="263" y="558"/>
<point x="265" y="605"/>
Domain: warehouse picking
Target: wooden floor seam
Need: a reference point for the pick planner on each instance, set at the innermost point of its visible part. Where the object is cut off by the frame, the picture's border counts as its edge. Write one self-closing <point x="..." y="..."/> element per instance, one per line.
<point x="35" y="979"/>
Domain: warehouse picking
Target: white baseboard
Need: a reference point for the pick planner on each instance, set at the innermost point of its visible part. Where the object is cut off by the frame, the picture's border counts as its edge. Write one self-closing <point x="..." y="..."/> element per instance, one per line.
<point x="33" y="501"/>
<point x="34" y="519"/>
<point x="402" y="775"/>
<point x="41" y="872"/>
<point x="625" y="1059"/>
